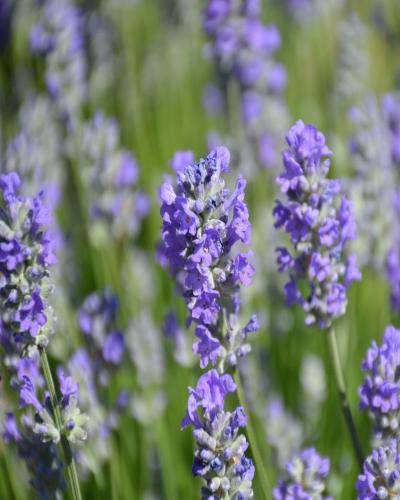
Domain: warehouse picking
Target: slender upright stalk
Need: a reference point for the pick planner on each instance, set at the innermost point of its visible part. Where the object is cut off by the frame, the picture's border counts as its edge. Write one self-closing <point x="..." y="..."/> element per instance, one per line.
<point x="338" y="372"/>
<point x="259" y="463"/>
<point x="72" y="474"/>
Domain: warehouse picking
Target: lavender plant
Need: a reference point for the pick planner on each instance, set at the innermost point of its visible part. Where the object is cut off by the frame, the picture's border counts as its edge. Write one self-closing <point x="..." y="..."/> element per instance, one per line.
<point x="202" y="227"/>
<point x="104" y="341"/>
<point x="243" y="48"/>
<point x="110" y="176"/>
<point x="307" y="474"/>
<point x="27" y="320"/>
<point x="320" y="223"/>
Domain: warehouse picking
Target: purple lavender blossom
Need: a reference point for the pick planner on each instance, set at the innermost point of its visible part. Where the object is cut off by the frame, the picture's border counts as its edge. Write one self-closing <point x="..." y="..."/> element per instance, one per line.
<point x="97" y="319"/>
<point x="381" y="474"/>
<point x="219" y="456"/>
<point x="379" y="394"/>
<point x="110" y="176"/>
<point x="26" y="253"/>
<point x="320" y="223"/>
<point x="203" y="224"/>
<point x="244" y="48"/>
<point x="307" y="474"/>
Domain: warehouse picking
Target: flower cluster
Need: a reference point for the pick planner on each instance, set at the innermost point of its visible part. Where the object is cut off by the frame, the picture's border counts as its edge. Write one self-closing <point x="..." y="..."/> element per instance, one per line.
<point x="26" y="253"/>
<point x="307" y="474"/>
<point x="110" y="176"/>
<point x="318" y="229"/>
<point x="105" y="342"/>
<point x="381" y="474"/>
<point x="202" y="225"/>
<point x="244" y="47"/>
<point x="380" y="391"/>
<point x="42" y="459"/>
<point x="58" y="36"/>
<point x="219" y="455"/>
<point x="38" y="416"/>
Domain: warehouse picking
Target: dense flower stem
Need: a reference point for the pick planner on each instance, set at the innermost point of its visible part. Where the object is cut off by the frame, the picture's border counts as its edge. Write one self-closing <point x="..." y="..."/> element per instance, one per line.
<point x="69" y="460"/>
<point x="344" y="403"/>
<point x="262" y="472"/>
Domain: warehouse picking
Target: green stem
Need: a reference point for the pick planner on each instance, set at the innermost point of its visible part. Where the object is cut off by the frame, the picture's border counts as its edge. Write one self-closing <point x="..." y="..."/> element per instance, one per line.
<point x="338" y="372"/>
<point x="262" y="471"/>
<point x="72" y="474"/>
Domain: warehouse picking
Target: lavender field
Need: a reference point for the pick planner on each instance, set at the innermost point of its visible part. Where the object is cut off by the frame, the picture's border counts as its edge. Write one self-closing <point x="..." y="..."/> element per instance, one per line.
<point x="200" y="249"/>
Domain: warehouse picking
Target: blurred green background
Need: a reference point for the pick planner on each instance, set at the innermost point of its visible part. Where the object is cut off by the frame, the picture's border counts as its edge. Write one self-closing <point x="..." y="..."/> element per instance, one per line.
<point x="156" y="95"/>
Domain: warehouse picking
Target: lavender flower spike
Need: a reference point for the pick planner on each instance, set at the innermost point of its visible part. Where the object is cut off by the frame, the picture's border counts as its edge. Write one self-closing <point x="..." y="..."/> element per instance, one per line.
<point x="203" y="224"/>
<point x="219" y="456"/>
<point x="380" y="391"/>
<point x="26" y="253"/>
<point x="307" y="473"/>
<point x="320" y="223"/>
<point x="381" y="474"/>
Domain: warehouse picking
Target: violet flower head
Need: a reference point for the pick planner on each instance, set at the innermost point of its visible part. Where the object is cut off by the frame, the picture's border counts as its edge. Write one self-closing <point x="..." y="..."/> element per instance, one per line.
<point x="243" y="48"/>
<point x="306" y="477"/>
<point x="379" y="394"/>
<point x="28" y="382"/>
<point x="110" y="176"/>
<point x="58" y="36"/>
<point x="219" y="456"/>
<point x="26" y="254"/>
<point x="203" y="226"/>
<point x="319" y="221"/>
<point x="381" y="474"/>
<point x="97" y="319"/>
